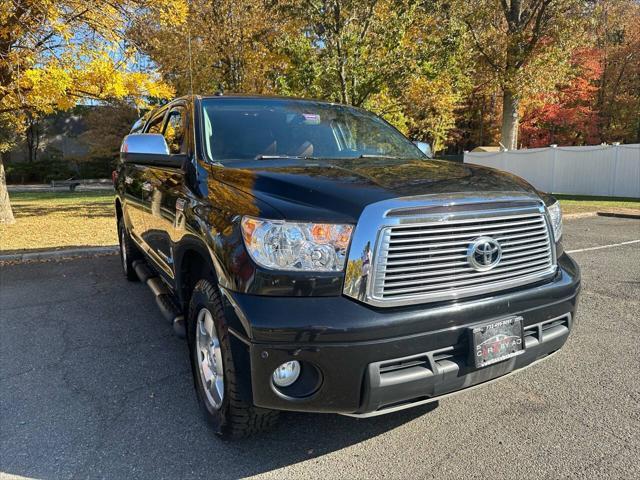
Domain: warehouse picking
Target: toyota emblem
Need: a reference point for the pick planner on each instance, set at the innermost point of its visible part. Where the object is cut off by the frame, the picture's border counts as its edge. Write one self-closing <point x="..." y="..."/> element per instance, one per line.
<point x="484" y="254"/>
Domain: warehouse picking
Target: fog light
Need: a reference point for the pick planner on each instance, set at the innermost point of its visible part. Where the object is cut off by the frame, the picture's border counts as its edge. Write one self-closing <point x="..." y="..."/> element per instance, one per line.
<point x="286" y="374"/>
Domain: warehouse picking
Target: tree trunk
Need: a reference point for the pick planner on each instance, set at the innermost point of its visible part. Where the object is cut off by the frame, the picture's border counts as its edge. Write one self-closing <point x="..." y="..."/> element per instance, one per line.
<point x="510" y="120"/>
<point x="6" y="214"/>
<point x="481" y="133"/>
<point x="342" y="74"/>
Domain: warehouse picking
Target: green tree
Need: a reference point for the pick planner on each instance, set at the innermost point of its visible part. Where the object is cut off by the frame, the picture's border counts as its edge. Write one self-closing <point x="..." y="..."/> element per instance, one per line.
<point x="617" y="37"/>
<point x="442" y="78"/>
<point x="352" y="49"/>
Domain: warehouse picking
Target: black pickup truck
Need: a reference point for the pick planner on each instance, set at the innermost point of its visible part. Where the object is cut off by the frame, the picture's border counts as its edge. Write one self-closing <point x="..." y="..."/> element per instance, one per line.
<point x="317" y="260"/>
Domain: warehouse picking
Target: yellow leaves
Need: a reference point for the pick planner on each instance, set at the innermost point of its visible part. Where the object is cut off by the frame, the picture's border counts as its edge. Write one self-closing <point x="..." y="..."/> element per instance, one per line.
<point x="431" y="104"/>
<point x="58" y="24"/>
<point x="104" y="79"/>
<point x="44" y="89"/>
<point x="141" y="85"/>
<point x="101" y="78"/>
<point x="63" y="52"/>
<point x="433" y="94"/>
<point x="167" y="13"/>
<point x="171" y="12"/>
<point x="388" y="107"/>
<point x="157" y="88"/>
<point x="233" y="43"/>
<point x="61" y="83"/>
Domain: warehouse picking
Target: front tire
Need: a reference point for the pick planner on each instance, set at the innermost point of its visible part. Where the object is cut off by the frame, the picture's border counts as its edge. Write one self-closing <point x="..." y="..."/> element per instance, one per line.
<point x="214" y="372"/>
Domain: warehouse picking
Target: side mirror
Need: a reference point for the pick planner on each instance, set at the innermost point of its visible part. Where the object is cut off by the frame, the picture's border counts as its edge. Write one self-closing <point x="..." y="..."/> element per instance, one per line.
<point x="424" y="147"/>
<point x="149" y="149"/>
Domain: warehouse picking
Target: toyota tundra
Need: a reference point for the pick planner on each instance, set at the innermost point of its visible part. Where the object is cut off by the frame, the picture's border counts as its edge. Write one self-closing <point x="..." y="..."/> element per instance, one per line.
<point x="317" y="260"/>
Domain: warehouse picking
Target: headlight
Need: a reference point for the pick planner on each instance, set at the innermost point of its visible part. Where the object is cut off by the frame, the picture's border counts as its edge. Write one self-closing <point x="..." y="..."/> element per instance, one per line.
<point x="556" y="219"/>
<point x="280" y="245"/>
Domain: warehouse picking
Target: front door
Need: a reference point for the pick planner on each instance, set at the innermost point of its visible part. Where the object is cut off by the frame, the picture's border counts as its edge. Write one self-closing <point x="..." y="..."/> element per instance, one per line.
<point x="138" y="188"/>
<point x="165" y="188"/>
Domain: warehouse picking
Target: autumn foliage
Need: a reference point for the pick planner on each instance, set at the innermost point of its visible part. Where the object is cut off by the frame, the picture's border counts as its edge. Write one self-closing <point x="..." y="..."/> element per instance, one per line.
<point x="458" y="74"/>
<point x="55" y="54"/>
<point x="454" y="73"/>
<point x="567" y="116"/>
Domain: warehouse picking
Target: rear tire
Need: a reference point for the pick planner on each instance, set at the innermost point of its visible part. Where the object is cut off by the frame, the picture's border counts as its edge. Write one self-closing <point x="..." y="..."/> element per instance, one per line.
<point x="129" y="253"/>
<point x="214" y="372"/>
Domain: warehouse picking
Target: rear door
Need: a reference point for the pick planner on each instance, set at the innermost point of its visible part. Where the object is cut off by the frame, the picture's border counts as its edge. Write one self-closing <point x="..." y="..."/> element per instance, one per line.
<point x="166" y="187"/>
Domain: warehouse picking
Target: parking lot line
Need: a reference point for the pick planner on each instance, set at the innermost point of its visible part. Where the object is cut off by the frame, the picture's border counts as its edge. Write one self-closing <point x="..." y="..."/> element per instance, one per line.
<point x="603" y="246"/>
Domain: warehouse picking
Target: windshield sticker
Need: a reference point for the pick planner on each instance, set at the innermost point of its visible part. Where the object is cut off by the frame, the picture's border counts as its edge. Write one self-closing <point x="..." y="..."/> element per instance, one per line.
<point x="311" y="118"/>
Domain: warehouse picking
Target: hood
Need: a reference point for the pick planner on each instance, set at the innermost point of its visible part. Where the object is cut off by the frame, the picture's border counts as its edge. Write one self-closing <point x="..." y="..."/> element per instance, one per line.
<point x="338" y="190"/>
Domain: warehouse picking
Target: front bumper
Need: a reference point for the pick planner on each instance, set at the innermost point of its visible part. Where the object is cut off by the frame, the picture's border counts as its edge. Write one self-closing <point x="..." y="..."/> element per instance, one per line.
<point x="374" y="360"/>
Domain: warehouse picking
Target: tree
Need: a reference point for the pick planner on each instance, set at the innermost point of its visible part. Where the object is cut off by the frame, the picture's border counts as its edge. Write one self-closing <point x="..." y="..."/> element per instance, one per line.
<point x="431" y="105"/>
<point x="359" y="53"/>
<point x="6" y="214"/>
<point x="224" y="44"/>
<point x="354" y="48"/>
<point x="617" y="37"/>
<point x="404" y="60"/>
<point x="33" y="136"/>
<point x="525" y="44"/>
<point x="7" y="138"/>
<point x="442" y="77"/>
<point x="599" y="100"/>
<point x="56" y="53"/>
<point x="568" y="116"/>
<point x="106" y="126"/>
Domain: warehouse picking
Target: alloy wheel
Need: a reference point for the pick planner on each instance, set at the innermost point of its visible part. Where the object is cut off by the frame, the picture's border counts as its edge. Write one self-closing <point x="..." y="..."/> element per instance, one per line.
<point x="209" y="353"/>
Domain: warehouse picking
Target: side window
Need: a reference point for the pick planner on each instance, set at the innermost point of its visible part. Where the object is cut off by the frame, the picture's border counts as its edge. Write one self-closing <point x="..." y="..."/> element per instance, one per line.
<point x="174" y="131"/>
<point x="138" y="126"/>
<point x="155" y="125"/>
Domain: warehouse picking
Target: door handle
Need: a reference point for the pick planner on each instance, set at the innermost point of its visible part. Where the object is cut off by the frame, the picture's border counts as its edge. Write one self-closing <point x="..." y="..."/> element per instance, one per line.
<point x="147" y="187"/>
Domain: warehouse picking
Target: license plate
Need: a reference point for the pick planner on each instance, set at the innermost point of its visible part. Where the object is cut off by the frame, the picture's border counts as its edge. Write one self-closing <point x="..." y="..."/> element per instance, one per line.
<point x="496" y="341"/>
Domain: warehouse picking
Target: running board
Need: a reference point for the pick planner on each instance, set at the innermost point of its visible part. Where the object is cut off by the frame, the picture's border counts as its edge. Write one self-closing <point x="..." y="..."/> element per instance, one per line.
<point x="143" y="272"/>
<point x="163" y="297"/>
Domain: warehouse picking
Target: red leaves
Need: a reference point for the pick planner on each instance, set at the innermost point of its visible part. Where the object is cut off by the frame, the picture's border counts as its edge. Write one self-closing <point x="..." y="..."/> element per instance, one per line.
<point x="570" y="117"/>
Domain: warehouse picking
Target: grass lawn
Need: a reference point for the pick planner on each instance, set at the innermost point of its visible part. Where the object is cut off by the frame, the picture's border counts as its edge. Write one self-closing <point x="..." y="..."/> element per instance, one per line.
<point x="584" y="204"/>
<point x="48" y="220"/>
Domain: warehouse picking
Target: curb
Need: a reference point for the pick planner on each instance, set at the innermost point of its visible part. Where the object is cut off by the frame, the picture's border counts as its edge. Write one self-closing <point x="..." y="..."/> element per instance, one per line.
<point x="58" y="254"/>
<point x="571" y="216"/>
<point x="635" y="216"/>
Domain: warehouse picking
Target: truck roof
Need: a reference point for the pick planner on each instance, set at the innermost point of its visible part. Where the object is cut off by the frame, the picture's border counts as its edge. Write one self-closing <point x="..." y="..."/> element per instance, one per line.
<point x="263" y="97"/>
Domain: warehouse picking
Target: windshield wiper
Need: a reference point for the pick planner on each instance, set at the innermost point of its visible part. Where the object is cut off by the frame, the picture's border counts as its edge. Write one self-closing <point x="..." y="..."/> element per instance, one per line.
<point x="274" y="157"/>
<point x="369" y="155"/>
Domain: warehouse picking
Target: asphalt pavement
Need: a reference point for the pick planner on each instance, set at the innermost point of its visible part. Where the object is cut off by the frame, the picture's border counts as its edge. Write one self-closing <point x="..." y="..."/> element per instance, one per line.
<point x="93" y="384"/>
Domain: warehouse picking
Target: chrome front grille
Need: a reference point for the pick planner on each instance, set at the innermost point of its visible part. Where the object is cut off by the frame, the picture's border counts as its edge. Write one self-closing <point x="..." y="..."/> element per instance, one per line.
<point x="428" y="260"/>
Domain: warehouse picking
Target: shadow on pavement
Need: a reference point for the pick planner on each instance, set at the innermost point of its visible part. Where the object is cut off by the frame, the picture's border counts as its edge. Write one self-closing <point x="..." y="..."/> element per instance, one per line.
<point x="94" y="385"/>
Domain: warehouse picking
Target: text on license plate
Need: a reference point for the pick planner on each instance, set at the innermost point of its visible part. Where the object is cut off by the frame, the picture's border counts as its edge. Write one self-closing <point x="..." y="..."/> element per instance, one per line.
<point x="496" y="341"/>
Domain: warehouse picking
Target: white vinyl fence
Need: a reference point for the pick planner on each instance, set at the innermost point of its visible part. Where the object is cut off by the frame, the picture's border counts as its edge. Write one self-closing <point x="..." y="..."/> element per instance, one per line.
<point x="607" y="170"/>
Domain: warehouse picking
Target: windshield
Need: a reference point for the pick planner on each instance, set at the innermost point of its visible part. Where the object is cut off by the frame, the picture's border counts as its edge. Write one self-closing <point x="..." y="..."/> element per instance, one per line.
<point x="250" y="128"/>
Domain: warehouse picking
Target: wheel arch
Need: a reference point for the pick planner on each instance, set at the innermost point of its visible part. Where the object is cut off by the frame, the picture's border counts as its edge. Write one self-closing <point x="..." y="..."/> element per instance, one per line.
<point x="195" y="261"/>
<point x="192" y="263"/>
